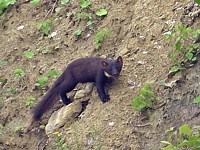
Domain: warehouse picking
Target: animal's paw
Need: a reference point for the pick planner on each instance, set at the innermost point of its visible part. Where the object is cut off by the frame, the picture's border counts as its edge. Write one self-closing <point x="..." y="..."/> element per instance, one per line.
<point x="104" y="98"/>
<point x="66" y="101"/>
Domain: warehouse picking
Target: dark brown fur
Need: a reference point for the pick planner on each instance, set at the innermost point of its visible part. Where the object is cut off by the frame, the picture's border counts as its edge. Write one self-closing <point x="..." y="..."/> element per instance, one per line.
<point x="82" y="70"/>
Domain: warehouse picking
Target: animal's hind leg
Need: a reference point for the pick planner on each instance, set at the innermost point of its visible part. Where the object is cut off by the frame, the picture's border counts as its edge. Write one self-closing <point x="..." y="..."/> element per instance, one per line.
<point x="64" y="88"/>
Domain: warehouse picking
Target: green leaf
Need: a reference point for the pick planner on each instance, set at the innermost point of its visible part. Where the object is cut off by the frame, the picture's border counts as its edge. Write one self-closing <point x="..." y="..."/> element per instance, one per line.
<point x="35" y="2"/>
<point x="19" y="72"/>
<point x="138" y="103"/>
<point x="165" y="142"/>
<point x="89" y="23"/>
<point x="146" y="93"/>
<point x="3" y="62"/>
<point x="84" y="3"/>
<point x="197" y="1"/>
<point x="174" y="69"/>
<point x="42" y="81"/>
<point x="185" y="129"/>
<point x="4" y="4"/>
<point x="63" y="2"/>
<point x="30" y="101"/>
<point x="197" y="99"/>
<point x="53" y="73"/>
<point x="194" y="58"/>
<point x="101" y="12"/>
<point x="189" y="55"/>
<point x="169" y="130"/>
<point x="28" y="54"/>
<point x="178" y="45"/>
<point x="58" y="9"/>
<point x="78" y="32"/>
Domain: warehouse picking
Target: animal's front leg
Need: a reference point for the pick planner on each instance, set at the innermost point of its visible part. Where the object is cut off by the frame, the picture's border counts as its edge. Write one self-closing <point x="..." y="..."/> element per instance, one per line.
<point x="100" y="82"/>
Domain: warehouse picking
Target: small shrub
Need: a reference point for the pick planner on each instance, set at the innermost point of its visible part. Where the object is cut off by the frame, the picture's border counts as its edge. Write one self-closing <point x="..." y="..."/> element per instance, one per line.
<point x="183" y="138"/>
<point x="184" y="49"/>
<point x="145" y="98"/>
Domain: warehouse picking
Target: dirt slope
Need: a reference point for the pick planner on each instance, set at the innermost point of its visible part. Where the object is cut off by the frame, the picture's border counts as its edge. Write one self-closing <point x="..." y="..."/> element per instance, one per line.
<point x="137" y="29"/>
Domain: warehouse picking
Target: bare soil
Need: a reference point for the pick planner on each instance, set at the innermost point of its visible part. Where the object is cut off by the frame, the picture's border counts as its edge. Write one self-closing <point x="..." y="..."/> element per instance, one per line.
<point x="137" y="28"/>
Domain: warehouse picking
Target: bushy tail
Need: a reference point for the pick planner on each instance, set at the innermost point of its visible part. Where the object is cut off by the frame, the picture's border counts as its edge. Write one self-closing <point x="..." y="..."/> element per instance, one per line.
<point x="48" y="100"/>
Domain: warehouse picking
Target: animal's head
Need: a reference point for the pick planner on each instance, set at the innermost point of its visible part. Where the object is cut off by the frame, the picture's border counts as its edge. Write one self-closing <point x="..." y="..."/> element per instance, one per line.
<point x="112" y="68"/>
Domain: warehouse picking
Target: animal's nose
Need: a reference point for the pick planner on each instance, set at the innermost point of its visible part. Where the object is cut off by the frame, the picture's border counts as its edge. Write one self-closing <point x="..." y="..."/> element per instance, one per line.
<point x="115" y="74"/>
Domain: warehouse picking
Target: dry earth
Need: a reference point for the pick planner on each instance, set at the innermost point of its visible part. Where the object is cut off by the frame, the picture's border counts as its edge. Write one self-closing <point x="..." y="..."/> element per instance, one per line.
<point x="137" y="29"/>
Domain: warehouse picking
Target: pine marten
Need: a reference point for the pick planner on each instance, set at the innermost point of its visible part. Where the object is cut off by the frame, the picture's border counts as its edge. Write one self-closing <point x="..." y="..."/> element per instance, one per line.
<point x="82" y="70"/>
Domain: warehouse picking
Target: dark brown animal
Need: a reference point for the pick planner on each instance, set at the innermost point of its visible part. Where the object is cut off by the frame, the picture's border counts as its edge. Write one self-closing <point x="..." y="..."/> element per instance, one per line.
<point x="93" y="69"/>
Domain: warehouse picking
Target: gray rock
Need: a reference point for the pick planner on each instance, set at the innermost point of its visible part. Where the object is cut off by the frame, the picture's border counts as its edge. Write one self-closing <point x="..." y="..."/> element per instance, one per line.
<point x="82" y="93"/>
<point x="64" y="116"/>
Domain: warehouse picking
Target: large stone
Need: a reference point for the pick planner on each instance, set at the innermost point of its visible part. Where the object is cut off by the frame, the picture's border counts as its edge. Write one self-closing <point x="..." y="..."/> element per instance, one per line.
<point x="64" y="116"/>
<point x="82" y="93"/>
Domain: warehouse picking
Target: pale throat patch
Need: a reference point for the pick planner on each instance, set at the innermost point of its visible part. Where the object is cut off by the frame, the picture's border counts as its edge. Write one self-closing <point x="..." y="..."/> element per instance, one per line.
<point x="107" y="75"/>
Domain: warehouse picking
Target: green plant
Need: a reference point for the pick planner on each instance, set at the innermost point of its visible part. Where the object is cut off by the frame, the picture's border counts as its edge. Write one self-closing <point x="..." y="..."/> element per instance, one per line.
<point x="197" y="100"/>
<point x="19" y="73"/>
<point x="3" y="62"/>
<point x="144" y="99"/>
<point x="28" y="54"/>
<point x="183" y="138"/>
<point x="35" y="2"/>
<point x="4" y="4"/>
<point x="18" y="129"/>
<point x="3" y="81"/>
<point x="1" y="100"/>
<point x="53" y="73"/>
<point x="86" y="16"/>
<point x="85" y="3"/>
<point x="100" y="36"/>
<point x="78" y="32"/>
<point x="1" y="129"/>
<point x="63" y="2"/>
<point x="43" y="50"/>
<point x="185" y="49"/>
<point x="45" y="26"/>
<point x="11" y="91"/>
<point x="59" y="141"/>
<point x="30" y="102"/>
<point x="41" y="81"/>
<point x="197" y="1"/>
<point x="101" y="12"/>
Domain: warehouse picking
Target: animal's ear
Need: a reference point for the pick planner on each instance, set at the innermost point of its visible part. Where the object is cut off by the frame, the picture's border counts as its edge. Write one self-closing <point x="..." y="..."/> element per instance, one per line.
<point x="104" y="64"/>
<point x="120" y="60"/>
